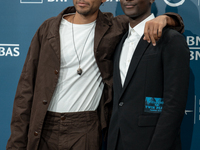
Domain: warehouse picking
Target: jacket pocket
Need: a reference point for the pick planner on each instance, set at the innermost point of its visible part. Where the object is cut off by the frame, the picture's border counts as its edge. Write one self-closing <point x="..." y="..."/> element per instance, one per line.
<point x="148" y="120"/>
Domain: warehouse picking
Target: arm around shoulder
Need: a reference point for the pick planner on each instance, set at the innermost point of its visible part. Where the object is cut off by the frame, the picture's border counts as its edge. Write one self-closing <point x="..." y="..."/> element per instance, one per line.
<point x="175" y="21"/>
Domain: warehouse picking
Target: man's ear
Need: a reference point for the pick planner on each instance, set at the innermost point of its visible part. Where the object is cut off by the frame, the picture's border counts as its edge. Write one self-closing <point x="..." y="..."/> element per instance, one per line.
<point x="103" y="1"/>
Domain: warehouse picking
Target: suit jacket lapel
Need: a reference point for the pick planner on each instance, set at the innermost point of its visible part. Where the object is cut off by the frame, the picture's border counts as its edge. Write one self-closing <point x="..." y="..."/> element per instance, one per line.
<point x="116" y="75"/>
<point x="140" y="49"/>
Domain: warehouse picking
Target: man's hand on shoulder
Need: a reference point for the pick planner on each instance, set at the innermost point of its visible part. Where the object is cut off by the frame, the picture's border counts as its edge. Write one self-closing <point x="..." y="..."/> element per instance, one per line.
<point x="153" y="28"/>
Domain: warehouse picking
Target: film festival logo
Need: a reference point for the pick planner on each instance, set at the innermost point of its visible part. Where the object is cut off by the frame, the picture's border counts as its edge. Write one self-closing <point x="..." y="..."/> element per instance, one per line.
<point x="174" y="4"/>
<point x="195" y="111"/>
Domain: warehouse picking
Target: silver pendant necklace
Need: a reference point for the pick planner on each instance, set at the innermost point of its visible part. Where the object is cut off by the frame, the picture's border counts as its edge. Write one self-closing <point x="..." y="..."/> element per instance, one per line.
<point x="79" y="71"/>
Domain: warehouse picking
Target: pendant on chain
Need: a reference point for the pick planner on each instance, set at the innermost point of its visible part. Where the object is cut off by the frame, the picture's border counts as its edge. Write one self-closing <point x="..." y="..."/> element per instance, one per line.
<point x="79" y="71"/>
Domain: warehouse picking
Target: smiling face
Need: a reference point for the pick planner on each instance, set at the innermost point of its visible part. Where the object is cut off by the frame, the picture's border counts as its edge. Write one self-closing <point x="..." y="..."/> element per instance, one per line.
<point x="136" y="9"/>
<point x="87" y="7"/>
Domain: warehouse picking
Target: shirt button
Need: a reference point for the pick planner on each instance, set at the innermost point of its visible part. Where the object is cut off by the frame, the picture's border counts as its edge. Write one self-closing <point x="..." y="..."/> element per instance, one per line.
<point x="62" y="118"/>
<point x="36" y="133"/>
<point x="121" y="104"/>
<point x="44" y="102"/>
<point x="56" y="72"/>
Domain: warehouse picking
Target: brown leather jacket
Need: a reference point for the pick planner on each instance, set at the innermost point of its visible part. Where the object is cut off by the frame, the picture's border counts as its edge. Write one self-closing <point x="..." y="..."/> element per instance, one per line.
<point x="41" y="70"/>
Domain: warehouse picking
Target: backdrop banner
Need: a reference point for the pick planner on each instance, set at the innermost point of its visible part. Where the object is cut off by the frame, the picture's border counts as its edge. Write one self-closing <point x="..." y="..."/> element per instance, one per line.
<point x="19" y="20"/>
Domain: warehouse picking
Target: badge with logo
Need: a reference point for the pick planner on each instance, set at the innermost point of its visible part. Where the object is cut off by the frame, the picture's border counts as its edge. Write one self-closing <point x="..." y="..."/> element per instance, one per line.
<point x="153" y="105"/>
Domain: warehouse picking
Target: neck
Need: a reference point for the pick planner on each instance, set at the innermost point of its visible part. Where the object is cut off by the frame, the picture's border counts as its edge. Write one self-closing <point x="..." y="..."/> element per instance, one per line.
<point x="81" y="19"/>
<point x="136" y="20"/>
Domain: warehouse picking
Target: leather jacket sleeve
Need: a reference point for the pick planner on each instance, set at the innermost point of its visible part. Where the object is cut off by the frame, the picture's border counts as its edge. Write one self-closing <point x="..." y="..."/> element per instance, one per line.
<point x="178" y="19"/>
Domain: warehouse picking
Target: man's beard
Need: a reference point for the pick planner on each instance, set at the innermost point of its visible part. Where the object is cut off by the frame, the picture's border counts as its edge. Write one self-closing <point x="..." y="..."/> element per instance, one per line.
<point x="83" y="12"/>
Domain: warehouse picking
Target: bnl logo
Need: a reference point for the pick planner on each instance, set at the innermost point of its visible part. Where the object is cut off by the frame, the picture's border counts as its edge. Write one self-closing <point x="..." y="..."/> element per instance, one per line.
<point x="31" y="1"/>
<point x="9" y="50"/>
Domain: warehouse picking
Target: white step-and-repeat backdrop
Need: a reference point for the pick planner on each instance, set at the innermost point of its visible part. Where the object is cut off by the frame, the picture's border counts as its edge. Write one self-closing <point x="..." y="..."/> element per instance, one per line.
<point x="19" y="20"/>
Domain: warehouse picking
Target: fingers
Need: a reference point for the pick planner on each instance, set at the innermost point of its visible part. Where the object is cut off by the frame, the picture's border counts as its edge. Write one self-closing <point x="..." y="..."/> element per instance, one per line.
<point x="153" y="29"/>
<point x="146" y="33"/>
<point x="153" y="35"/>
<point x="160" y="32"/>
<point x="150" y="33"/>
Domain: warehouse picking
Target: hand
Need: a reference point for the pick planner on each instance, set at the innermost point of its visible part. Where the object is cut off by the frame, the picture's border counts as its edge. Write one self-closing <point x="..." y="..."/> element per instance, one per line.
<point x="153" y="28"/>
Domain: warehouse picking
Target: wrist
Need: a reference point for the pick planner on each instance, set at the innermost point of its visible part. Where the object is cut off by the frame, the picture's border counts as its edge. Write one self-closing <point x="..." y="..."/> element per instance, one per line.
<point x="170" y="21"/>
